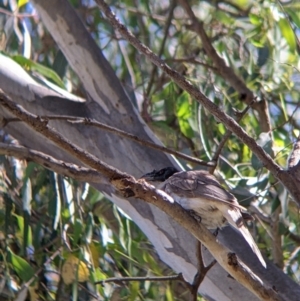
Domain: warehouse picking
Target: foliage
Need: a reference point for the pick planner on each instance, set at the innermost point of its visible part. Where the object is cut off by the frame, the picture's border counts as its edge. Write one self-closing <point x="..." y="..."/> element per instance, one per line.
<point x="256" y="39"/>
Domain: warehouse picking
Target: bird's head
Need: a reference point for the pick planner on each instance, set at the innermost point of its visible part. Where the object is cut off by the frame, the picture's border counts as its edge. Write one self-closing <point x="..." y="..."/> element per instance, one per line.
<point x="160" y="175"/>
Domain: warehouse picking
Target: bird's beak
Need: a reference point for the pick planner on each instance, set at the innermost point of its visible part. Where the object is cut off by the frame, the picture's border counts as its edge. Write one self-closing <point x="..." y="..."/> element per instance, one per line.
<point x="148" y="176"/>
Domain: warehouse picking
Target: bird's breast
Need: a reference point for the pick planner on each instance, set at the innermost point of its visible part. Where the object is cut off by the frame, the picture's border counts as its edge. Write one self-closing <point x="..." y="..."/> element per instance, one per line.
<point x="210" y="212"/>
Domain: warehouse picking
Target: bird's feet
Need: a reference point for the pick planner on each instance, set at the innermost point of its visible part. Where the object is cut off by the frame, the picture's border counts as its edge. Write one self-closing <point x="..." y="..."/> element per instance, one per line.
<point x="195" y="215"/>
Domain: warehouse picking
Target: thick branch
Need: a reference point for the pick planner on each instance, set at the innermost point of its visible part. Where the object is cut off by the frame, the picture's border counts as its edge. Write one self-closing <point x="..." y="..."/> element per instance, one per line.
<point x="127" y="185"/>
<point x="225" y="258"/>
<point x="41" y="126"/>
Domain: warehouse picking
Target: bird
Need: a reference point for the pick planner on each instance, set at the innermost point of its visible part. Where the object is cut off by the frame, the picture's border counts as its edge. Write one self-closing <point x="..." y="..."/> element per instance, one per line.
<point x="200" y="192"/>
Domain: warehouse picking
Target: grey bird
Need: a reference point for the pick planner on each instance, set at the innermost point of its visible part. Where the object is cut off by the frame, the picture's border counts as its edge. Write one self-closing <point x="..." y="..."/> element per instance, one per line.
<point x="200" y="192"/>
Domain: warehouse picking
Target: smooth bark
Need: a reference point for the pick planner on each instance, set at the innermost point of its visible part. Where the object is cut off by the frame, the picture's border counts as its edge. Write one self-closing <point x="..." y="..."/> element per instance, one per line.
<point x="107" y="102"/>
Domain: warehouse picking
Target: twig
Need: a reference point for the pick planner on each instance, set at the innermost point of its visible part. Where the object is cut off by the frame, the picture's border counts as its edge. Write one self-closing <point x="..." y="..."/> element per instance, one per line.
<point x="290" y="119"/>
<point x="293" y="256"/>
<point x="138" y="12"/>
<point x="110" y="129"/>
<point x="227" y="72"/>
<point x="17" y="15"/>
<point x="226" y="137"/>
<point x="266" y="219"/>
<point x="191" y="60"/>
<point x="202" y="270"/>
<point x="50" y="259"/>
<point x="92" y="295"/>
<point x="67" y="169"/>
<point x="147" y="278"/>
<point x="162" y="46"/>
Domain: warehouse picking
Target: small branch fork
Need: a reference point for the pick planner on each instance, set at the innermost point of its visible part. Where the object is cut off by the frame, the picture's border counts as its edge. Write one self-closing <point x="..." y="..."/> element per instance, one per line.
<point x="202" y="270"/>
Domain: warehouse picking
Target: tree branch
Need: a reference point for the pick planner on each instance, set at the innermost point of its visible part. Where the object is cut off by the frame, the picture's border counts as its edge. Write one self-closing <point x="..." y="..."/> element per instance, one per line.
<point x="229" y="122"/>
<point x="67" y="169"/>
<point x="110" y="129"/>
<point x="129" y="186"/>
<point x="119" y="280"/>
<point x="202" y="270"/>
<point x="162" y="46"/>
<point x="227" y="72"/>
<point x="267" y="219"/>
<point x="225" y="138"/>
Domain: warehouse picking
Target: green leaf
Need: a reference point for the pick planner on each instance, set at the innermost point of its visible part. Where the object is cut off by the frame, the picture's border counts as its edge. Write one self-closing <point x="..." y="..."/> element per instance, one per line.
<point x="20" y="222"/>
<point x="20" y="266"/>
<point x="243" y="195"/>
<point x="134" y="290"/>
<point x="36" y="241"/>
<point x="295" y="15"/>
<point x="288" y="33"/>
<point x="60" y="64"/>
<point x="264" y="140"/>
<point x="283" y="229"/>
<point x="77" y="230"/>
<point x="275" y="204"/>
<point x="33" y="66"/>
<point x="27" y="236"/>
<point x="89" y="228"/>
<point x="98" y="275"/>
<point x="29" y="170"/>
<point x="257" y="43"/>
<point x="94" y="196"/>
<point x="169" y="294"/>
<point x="263" y="55"/>
<point x="185" y="128"/>
<point x="165" y="93"/>
<point x="184" y="105"/>
<point x="261" y="185"/>
<point x="255" y="19"/>
<point x="224" y="18"/>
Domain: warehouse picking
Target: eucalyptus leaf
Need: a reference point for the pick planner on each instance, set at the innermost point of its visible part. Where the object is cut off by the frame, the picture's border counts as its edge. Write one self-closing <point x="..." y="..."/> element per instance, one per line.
<point x="264" y="140"/>
<point x="20" y="266"/>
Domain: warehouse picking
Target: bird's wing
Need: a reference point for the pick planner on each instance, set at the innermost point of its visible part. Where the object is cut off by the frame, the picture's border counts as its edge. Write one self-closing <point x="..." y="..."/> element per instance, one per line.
<point x="201" y="184"/>
<point x="234" y="218"/>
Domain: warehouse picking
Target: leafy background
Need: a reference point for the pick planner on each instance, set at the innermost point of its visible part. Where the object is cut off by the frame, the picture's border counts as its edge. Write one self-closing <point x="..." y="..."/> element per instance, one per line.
<point x="42" y="212"/>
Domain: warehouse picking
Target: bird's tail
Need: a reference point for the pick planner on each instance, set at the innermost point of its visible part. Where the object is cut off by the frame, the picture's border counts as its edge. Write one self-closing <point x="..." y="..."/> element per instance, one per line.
<point x="235" y="219"/>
